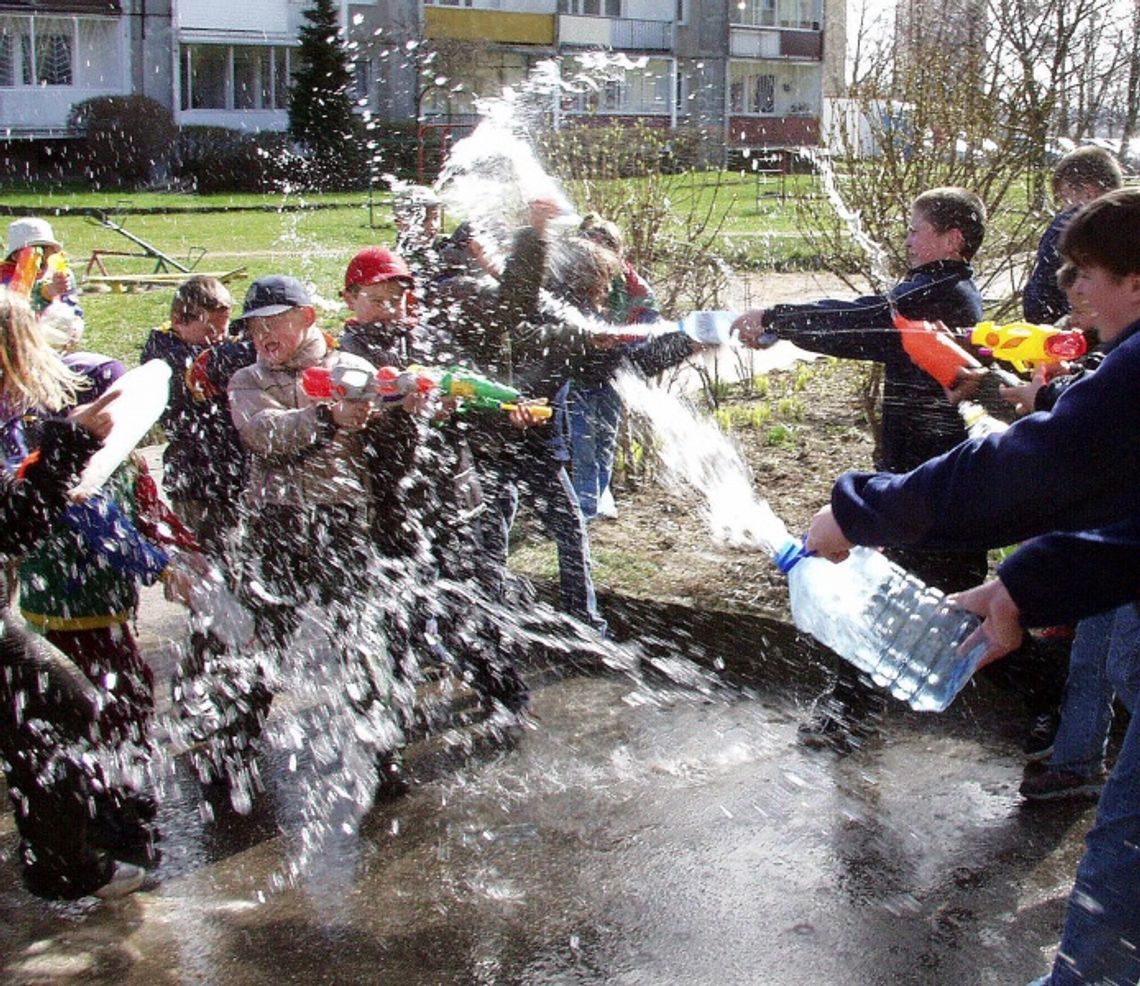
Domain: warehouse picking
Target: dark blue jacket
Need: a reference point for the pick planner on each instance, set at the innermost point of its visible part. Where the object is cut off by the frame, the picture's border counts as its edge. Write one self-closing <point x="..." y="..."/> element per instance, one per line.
<point x="918" y="422"/>
<point x="204" y="459"/>
<point x="1043" y="301"/>
<point x="1074" y="469"/>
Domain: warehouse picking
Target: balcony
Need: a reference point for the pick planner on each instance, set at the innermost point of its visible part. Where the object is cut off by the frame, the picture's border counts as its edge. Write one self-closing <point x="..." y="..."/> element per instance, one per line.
<point x="775" y="43"/>
<point x="43" y="7"/>
<point x="616" y="33"/>
<point x="498" y="27"/>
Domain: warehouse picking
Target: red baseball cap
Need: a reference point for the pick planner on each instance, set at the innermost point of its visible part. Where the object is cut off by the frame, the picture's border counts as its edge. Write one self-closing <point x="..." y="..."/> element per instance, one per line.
<point x="376" y="265"/>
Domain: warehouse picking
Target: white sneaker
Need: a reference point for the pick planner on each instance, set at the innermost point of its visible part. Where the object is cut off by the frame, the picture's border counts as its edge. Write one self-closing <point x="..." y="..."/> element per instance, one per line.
<point x="606" y="506"/>
<point x="126" y="878"/>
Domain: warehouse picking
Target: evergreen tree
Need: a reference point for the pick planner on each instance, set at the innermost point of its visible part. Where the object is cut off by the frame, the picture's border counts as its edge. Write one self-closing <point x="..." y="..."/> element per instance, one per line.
<point x="320" y="103"/>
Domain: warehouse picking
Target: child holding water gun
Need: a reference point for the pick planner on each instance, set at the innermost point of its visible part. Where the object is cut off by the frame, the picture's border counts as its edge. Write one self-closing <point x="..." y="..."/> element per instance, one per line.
<point x="946" y="227"/>
<point x="36" y="267"/>
<point x="1082" y="560"/>
<point x="1100" y="651"/>
<point x="427" y="498"/>
<point x="308" y="494"/>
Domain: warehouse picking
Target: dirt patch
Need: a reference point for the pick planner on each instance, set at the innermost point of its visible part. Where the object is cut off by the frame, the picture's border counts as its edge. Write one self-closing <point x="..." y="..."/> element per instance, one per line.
<point x="797" y="437"/>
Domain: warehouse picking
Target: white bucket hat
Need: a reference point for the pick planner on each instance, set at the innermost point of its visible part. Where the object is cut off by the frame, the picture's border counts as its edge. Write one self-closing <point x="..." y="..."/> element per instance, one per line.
<point x="30" y="232"/>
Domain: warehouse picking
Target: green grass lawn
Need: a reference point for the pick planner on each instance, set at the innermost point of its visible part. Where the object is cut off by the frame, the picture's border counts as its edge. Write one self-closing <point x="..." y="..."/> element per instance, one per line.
<point x="313" y="245"/>
<point x="278" y="234"/>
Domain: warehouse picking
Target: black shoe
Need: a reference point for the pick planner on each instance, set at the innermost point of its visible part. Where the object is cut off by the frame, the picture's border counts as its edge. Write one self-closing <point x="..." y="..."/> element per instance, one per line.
<point x="391" y="781"/>
<point x="1039" y="740"/>
<point x="1055" y="785"/>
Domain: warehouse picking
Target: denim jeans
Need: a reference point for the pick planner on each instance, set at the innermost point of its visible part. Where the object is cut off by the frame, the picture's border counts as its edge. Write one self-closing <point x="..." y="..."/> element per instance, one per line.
<point x="595" y="413"/>
<point x="1100" y="665"/>
<point x="545" y="484"/>
<point x="1086" y="711"/>
<point x="1102" y="924"/>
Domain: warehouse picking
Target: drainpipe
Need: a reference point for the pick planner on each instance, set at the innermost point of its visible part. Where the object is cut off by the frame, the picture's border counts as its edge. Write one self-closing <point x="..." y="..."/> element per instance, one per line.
<point x="175" y="63"/>
<point x="674" y="79"/>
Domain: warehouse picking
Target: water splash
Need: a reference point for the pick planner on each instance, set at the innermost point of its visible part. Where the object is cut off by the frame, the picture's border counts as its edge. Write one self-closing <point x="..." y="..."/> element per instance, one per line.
<point x="697" y="455"/>
<point x="876" y="254"/>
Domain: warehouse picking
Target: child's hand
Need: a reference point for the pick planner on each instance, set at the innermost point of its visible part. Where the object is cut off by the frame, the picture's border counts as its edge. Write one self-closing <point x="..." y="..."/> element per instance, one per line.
<point x="351" y="415"/>
<point x="603" y="340"/>
<point x="178" y="581"/>
<point x="419" y="404"/>
<point x="96" y="416"/>
<point x="1001" y="620"/>
<point x="541" y="211"/>
<point x="1024" y="396"/>
<point x="966" y="385"/>
<point x="445" y="409"/>
<point x="524" y="415"/>
<point x="58" y="284"/>
<point x="749" y="329"/>
<point x="825" y="537"/>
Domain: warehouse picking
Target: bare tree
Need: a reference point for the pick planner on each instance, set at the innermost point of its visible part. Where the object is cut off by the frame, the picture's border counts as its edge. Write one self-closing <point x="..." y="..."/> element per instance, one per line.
<point x="1132" y="86"/>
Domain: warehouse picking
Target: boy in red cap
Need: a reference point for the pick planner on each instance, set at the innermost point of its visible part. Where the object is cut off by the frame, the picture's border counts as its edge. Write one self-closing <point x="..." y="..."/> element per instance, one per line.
<point x="426" y="496"/>
<point x="378" y="287"/>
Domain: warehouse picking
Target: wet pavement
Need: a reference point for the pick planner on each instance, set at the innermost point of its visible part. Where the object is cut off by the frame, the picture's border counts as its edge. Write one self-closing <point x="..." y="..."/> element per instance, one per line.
<point x="638" y="834"/>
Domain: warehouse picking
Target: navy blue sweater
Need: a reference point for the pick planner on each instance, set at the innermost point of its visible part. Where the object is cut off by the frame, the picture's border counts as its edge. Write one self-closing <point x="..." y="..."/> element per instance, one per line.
<point x="918" y="421"/>
<point x="1043" y="300"/>
<point x="1074" y="469"/>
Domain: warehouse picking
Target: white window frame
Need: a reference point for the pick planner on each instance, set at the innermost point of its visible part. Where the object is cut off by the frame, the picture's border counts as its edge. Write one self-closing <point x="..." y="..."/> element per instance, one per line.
<point x="26" y="71"/>
<point x="268" y="87"/>
<point x="796" y="15"/>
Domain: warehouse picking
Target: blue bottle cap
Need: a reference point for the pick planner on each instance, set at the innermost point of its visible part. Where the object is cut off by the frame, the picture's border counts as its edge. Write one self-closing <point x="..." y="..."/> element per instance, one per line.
<point x="789" y="555"/>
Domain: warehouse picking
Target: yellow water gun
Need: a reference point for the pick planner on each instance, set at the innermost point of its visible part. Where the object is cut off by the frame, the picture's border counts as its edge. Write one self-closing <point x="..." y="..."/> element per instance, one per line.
<point x="1025" y="346"/>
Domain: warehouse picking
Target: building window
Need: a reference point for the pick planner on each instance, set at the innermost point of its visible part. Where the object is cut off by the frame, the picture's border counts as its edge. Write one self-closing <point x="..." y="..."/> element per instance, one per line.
<point x="37" y="51"/>
<point x="590" y="8"/>
<point x="235" y="77"/>
<point x="362" y="80"/>
<point x="803" y="15"/>
<point x="496" y="70"/>
<point x="774" y="88"/>
<point x="643" y="90"/>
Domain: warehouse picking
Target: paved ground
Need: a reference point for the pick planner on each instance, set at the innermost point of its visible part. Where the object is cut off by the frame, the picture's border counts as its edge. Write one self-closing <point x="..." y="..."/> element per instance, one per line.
<point x="643" y="832"/>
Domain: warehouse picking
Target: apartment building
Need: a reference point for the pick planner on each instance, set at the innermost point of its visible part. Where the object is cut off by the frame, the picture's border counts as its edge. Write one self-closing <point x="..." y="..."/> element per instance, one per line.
<point x="756" y="72"/>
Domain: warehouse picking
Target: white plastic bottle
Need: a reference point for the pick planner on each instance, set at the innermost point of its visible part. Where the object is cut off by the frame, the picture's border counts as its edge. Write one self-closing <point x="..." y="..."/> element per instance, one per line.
<point x="883" y="620"/>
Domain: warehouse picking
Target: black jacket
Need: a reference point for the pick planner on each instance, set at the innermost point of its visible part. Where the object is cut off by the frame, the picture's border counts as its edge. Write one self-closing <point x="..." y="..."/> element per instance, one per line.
<point x="918" y="421"/>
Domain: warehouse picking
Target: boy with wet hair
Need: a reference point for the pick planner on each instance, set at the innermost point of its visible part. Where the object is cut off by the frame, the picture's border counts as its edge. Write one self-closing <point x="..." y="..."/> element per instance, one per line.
<point x="1083" y="558"/>
<point x="1078" y="178"/>
<point x="945" y="230"/>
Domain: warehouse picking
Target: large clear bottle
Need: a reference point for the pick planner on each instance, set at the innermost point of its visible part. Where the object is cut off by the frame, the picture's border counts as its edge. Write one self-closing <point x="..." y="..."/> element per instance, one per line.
<point x="883" y="620"/>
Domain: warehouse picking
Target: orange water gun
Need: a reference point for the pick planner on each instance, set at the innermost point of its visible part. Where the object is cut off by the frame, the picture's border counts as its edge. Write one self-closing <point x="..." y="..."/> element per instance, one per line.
<point x="1026" y="346"/>
<point x="27" y="270"/>
<point x="934" y="351"/>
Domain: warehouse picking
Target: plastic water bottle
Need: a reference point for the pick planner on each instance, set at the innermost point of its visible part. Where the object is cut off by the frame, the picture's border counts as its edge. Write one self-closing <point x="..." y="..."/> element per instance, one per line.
<point x="709" y="327"/>
<point x="890" y="625"/>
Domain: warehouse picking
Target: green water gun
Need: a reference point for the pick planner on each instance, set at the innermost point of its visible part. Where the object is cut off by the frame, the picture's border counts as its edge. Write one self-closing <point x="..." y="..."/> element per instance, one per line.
<point x="480" y="393"/>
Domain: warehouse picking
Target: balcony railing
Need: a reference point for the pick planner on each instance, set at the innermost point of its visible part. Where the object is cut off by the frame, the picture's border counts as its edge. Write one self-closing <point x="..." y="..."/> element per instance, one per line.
<point x="617" y="33"/>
